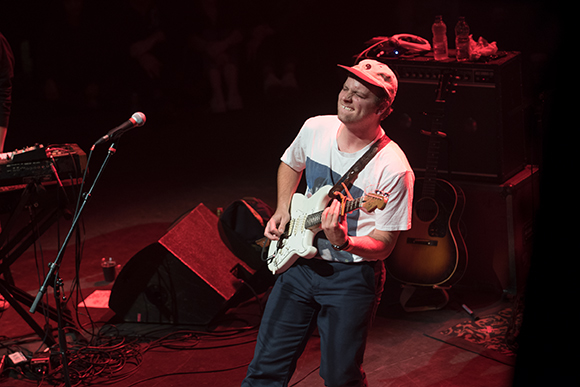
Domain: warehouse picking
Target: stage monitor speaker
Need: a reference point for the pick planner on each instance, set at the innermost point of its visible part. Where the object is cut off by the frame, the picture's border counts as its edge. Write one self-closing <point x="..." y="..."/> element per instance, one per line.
<point x="484" y="116"/>
<point x="188" y="277"/>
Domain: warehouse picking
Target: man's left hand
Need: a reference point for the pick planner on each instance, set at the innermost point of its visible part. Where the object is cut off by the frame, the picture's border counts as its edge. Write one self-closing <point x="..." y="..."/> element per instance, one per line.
<point x="334" y="224"/>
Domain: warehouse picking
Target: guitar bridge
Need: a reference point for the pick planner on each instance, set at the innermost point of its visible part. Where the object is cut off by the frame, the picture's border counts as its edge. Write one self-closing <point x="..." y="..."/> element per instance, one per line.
<point x="424" y="242"/>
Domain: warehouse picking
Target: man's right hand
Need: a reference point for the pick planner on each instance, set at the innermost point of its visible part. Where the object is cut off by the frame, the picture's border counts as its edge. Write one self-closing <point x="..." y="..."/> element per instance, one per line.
<point x="276" y="225"/>
<point x="288" y="180"/>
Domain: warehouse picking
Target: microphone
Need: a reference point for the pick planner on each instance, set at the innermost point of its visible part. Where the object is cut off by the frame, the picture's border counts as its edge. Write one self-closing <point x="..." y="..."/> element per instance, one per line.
<point x="136" y="120"/>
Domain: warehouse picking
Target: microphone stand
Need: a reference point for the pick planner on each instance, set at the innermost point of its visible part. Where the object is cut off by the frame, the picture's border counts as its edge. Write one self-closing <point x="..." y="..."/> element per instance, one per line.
<point x="55" y="266"/>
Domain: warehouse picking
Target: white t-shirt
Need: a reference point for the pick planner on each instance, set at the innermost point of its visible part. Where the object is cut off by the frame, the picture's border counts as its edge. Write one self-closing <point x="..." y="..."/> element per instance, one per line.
<point x="315" y="151"/>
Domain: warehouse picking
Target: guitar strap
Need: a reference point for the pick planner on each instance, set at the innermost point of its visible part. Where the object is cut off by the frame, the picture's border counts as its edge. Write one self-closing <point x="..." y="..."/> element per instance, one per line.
<point x="349" y="177"/>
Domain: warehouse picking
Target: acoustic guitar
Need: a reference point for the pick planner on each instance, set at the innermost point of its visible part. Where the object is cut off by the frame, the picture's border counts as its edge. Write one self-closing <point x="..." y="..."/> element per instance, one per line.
<point x="432" y="252"/>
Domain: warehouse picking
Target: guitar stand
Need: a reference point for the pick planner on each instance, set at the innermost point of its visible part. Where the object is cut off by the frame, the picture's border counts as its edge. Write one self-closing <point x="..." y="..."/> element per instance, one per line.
<point x="409" y="290"/>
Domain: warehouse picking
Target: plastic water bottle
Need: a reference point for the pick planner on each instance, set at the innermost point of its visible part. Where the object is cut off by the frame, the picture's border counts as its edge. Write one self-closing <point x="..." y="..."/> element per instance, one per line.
<point x="439" y="29"/>
<point x="462" y="49"/>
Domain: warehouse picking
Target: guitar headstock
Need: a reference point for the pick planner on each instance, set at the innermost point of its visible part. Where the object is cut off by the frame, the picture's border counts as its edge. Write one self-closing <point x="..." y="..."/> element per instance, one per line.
<point x="446" y="85"/>
<point x="371" y="202"/>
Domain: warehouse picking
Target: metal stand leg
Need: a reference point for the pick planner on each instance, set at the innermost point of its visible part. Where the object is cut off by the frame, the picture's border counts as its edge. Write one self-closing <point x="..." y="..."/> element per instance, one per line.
<point x="409" y="290"/>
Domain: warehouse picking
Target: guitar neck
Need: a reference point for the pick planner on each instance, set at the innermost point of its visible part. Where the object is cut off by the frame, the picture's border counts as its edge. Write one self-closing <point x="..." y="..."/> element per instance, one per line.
<point x="315" y="219"/>
<point x="431" y="165"/>
<point x="435" y="139"/>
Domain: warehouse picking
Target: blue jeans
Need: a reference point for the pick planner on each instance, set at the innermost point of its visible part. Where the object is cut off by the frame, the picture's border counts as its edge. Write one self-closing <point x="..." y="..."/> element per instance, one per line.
<point x="340" y="298"/>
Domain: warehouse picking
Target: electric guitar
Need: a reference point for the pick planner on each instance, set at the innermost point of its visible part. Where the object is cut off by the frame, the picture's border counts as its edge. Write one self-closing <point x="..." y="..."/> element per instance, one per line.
<point x="432" y="252"/>
<point x="304" y="224"/>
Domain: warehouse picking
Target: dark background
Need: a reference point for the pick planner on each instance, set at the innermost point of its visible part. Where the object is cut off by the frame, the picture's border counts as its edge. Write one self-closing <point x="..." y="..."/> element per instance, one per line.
<point x="314" y="36"/>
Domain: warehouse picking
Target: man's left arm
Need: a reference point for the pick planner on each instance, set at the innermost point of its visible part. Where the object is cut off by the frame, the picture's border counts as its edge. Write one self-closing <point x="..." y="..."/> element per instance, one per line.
<point x="377" y="245"/>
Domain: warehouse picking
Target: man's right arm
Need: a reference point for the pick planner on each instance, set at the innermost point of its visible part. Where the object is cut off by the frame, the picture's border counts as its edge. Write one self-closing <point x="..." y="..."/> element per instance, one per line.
<point x="288" y="180"/>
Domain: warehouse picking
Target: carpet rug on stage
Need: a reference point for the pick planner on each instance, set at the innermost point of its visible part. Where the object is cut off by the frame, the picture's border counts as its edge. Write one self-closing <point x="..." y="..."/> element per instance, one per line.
<point x="493" y="335"/>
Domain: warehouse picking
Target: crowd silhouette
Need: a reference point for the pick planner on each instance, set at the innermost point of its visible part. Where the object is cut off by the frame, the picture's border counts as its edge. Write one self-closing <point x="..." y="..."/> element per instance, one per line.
<point x="90" y="54"/>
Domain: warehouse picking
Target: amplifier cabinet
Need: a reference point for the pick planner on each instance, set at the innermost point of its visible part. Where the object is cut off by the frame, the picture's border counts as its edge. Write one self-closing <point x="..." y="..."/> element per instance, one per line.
<point x="483" y="116"/>
<point x="498" y="229"/>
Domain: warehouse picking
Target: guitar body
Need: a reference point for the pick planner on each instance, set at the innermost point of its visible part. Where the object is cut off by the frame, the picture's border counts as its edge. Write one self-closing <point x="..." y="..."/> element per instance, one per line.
<point x="298" y="243"/>
<point x="433" y="251"/>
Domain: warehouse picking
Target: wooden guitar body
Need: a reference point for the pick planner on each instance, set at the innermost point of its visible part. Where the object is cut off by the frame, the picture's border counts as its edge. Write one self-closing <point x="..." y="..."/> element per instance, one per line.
<point x="433" y="252"/>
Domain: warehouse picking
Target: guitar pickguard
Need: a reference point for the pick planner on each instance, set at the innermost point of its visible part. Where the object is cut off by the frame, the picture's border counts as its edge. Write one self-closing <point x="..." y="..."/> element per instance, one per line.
<point x="297" y="240"/>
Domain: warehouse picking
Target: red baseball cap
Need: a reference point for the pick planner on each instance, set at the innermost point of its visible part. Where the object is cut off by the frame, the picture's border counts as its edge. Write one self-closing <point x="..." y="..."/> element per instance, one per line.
<point x="376" y="73"/>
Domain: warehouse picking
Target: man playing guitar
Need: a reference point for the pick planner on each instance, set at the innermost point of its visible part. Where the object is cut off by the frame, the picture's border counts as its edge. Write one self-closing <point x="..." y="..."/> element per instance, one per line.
<point x="339" y="288"/>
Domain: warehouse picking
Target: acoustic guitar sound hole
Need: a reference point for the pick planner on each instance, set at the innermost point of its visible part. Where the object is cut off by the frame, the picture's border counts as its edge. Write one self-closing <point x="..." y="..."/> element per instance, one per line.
<point x="426" y="209"/>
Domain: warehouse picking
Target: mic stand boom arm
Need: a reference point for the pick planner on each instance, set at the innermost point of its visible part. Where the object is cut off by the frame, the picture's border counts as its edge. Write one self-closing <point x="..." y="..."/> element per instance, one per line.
<point x="54" y="267"/>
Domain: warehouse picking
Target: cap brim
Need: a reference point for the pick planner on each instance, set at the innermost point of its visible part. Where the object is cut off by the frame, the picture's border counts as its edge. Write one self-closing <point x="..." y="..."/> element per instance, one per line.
<point x="361" y="75"/>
